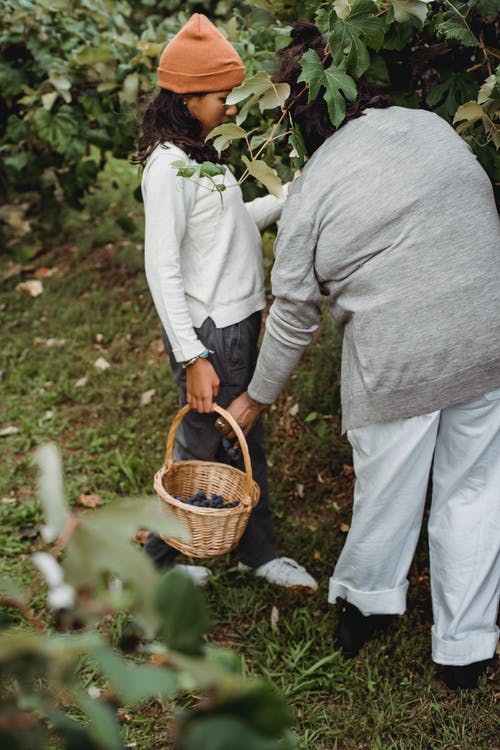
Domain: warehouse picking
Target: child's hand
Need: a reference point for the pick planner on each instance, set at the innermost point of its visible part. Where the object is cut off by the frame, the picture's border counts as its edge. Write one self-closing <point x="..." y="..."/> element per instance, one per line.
<point x="202" y="385"/>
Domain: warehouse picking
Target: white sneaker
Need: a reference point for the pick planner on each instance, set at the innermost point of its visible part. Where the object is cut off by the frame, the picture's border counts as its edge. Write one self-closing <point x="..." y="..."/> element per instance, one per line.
<point x="283" y="571"/>
<point x="197" y="573"/>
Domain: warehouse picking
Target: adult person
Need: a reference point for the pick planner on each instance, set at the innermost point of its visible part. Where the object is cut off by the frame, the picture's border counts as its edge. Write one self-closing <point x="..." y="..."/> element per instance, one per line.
<point x="204" y="268"/>
<point x="394" y="220"/>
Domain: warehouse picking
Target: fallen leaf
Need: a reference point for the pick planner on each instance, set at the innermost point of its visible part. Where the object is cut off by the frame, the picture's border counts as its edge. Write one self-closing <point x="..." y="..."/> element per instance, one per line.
<point x="294" y="410"/>
<point x="101" y="364"/>
<point x="10" y="430"/>
<point x="49" y="342"/>
<point x="33" y="287"/>
<point x="147" y="396"/>
<point x="45" y="273"/>
<point x="99" y="338"/>
<point x="300" y="490"/>
<point x="344" y="527"/>
<point x="82" y="382"/>
<point x="88" y="501"/>
<point x="275" y="616"/>
<point x="8" y="500"/>
<point x="317" y="554"/>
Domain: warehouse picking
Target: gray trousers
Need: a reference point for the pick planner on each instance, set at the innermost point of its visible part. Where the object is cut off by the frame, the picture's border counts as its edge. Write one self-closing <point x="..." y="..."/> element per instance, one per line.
<point x="234" y="358"/>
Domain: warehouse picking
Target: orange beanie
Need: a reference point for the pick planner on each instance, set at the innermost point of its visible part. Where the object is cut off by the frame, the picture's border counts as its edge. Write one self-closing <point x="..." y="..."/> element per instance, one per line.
<point x="199" y="59"/>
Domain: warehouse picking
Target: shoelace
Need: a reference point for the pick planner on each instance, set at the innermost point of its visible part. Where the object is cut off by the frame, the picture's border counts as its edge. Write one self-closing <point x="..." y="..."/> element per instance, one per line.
<point x="285" y="566"/>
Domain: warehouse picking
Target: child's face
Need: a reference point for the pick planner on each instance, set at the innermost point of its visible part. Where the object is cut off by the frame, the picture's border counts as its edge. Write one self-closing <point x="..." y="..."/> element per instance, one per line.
<point x="210" y="109"/>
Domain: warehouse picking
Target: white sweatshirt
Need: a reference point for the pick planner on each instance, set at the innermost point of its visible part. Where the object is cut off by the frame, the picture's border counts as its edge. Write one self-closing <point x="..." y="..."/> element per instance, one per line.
<point x="203" y="249"/>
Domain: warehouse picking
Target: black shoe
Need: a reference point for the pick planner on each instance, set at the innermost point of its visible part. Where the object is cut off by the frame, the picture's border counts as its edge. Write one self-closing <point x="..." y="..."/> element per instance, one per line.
<point x="466" y="676"/>
<point x="354" y="628"/>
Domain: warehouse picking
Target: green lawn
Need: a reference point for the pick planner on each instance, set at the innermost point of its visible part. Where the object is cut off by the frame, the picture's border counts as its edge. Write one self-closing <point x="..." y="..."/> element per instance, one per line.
<point x="96" y="305"/>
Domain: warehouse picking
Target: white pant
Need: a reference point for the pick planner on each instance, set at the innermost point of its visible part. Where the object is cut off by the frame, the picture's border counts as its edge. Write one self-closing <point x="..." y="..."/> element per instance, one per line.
<point x="392" y="462"/>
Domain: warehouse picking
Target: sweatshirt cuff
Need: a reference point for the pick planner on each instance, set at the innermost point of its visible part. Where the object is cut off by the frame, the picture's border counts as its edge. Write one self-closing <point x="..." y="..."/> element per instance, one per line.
<point x="188" y="351"/>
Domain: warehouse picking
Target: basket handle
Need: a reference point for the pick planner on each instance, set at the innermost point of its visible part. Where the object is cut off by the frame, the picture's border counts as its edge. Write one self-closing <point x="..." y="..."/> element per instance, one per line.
<point x="236" y="429"/>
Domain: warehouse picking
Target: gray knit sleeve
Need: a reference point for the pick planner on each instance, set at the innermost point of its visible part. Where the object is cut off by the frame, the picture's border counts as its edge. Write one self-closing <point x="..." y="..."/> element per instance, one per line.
<point x="294" y="315"/>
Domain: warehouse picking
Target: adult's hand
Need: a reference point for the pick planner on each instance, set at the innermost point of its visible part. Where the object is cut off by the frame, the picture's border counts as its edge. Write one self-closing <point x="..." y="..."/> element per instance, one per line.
<point x="202" y="385"/>
<point x="246" y="412"/>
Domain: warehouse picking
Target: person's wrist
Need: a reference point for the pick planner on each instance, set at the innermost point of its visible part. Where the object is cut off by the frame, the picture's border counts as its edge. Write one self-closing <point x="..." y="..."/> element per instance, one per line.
<point x="203" y="355"/>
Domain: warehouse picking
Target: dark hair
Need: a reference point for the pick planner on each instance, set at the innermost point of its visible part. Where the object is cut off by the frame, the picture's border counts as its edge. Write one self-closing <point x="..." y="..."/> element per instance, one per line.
<point x="312" y="117"/>
<point x="166" y="118"/>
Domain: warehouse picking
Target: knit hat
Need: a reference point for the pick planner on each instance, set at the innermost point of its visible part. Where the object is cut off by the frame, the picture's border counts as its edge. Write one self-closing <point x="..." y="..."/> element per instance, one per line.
<point x="199" y="59"/>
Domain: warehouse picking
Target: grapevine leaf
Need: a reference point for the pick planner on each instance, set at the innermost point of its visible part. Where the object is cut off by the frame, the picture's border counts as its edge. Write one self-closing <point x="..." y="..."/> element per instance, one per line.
<point x="104" y="725"/>
<point x="471" y="112"/>
<point x="182" y="611"/>
<point x="134" y="682"/>
<point x="352" y="35"/>
<point x="333" y="79"/>
<point x="299" y="150"/>
<point x="223" y="135"/>
<point x="209" y="169"/>
<point x="486" y="90"/>
<point x="452" y="29"/>
<point x="490" y="123"/>
<point x="404" y="9"/>
<point x="51" y="491"/>
<point x="262" y="91"/>
<point x="265" y="174"/>
<point x="342" y="8"/>
<point x="254" y="86"/>
<point x="58" y="129"/>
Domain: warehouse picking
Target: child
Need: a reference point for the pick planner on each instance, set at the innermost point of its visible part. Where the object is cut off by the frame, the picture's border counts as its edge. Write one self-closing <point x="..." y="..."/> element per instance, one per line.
<point x="204" y="269"/>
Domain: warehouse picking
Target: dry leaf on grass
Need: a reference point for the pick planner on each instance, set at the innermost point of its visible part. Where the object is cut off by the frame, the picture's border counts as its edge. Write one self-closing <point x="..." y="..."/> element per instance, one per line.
<point x="88" y="501"/>
<point x="81" y="382"/>
<point x="10" y="430"/>
<point x="147" y="396"/>
<point x="33" y="287"/>
<point x="45" y="273"/>
<point x="275" y="616"/>
<point x="101" y="364"/>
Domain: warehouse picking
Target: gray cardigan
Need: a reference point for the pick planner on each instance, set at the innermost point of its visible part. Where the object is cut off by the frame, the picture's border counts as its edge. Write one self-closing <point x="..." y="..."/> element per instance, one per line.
<point x="394" y="220"/>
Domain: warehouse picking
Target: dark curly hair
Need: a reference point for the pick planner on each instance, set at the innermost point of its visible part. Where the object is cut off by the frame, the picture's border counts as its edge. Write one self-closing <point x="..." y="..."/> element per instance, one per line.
<point x="166" y="118"/>
<point x="312" y="117"/>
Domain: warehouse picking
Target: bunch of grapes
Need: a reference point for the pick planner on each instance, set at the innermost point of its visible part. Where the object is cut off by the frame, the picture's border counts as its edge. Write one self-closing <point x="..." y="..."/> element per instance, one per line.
<point x="199" y="499"/>
<point x="232" y="450"/>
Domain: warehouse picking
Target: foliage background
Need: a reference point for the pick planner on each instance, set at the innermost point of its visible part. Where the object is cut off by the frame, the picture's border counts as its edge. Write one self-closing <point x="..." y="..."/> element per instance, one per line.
<point x="73" y="75"/>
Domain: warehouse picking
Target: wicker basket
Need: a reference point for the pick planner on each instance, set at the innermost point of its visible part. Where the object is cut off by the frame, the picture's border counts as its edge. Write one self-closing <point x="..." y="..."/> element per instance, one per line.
<point x="212" y="531"/>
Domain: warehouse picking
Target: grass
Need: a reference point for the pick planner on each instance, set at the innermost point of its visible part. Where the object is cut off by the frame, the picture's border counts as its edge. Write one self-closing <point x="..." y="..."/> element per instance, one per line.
<point x="97" y="305"/>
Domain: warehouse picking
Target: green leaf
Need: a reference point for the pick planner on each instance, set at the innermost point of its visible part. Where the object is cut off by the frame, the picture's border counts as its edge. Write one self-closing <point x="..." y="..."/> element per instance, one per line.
<point x="209" y="169"/>
<point x="405" y="9"/>
<point x="51" y="491"/>
<point x="298" y="152"/>
<point x="311" y="416"/>
<point x="454" y="30"/>
<point x="262" y="91"/>
<point x="351" y="36"/>
<point x="333" y="79"/>
<point x="223" y="135"/>
<point x="183" y="612"/>
<point x="104" y="725"/>
<point x="487" y="89"/>
<point x="132" y="682"/>
<point x="262" y="706"/>
<point x="264" y="174"/>
<point x="57" y="128"/>
<point x="470" y="111"/>
<point x="223" y="733"/>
